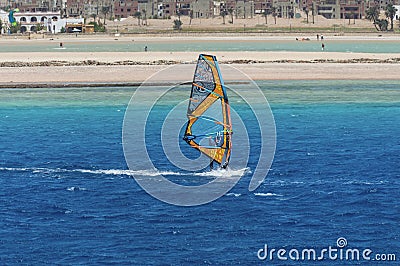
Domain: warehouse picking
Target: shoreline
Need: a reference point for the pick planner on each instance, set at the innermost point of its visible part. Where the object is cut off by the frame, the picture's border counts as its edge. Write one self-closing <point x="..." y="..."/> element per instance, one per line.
<point x="102" y="69"/>
<point x="61" y="62"/>
<point x="134" y="75"/>
<point x="38" y="59"/>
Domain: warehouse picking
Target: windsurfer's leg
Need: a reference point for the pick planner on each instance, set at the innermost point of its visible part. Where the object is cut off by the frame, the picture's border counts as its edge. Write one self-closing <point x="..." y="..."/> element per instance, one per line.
<point x="211" y="164"/>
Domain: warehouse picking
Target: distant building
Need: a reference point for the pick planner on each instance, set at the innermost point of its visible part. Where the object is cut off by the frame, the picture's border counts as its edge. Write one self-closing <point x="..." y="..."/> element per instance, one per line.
<point x="335" y="9"/>
<point x="3" y="18"/>
<point x="175" y="7"/>
<point x="262" y="6"/>
<point x="75" y="26"/>
<point x="36" y="5"/>
<point x="90" y="8"/>
<point x="111" y="9"/>
<point x="397" y="16"/>
<point x="126" y="8"/>
<point x="330" y="9"/>
<point x="352" y="9"/>
<point x="4" y="4"/>
<point x="201" y="8"/>
<point x="50" y="21"/>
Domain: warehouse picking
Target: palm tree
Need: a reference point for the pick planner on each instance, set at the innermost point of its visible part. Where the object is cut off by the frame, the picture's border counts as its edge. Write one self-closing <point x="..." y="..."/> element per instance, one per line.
<point x="236" y="9"/>
<point x="230" y="11"/>
<point x="144" y="19"/>
<point x="372" y="14"/>
<point x="274" y="14"/>
<point x="390" y="13"/>
<point x="105" y="10"/>
<point x="313" y="13"/>
<point x="94" y="16"/>
<point x="62" y="13"/>
<point x="191" y="16"/>
<point x="177" y="24"/>
<point x="265" y="15"/>
<point x="244" y="9"/>
<point x="307" y="11"/>
<point x="178" y="12"/>
<point x="383" y="24"/>
<point x="137" y="15"/>
<point x="223" y="14"/>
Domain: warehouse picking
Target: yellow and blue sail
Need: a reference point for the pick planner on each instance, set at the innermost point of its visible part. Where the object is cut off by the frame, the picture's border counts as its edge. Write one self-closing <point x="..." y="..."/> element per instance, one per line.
<point x="209" y="127"/>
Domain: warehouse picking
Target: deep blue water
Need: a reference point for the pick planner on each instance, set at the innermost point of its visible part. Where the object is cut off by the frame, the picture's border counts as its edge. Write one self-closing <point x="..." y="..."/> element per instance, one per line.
<point x="66" y="197"/>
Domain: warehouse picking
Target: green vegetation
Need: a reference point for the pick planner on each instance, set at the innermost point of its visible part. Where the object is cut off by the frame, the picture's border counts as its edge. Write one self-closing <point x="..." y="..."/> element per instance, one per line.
<point x="138" y="15"/>
<point x="98" y="27"/>
<point x="300" y="30"/>
<point x="15" y="28"/>
<point x="336" y="29"/>
<point x="144" y="18"/>
<point x="223" y="14"/>
<point x="105" y="10"/>
<point x="230" y="11"/>
<point x="274" y="13"/>
<point x="265" y="15"/>
<point x="372" y="14"/>
<point x="390" y="13"/>
<point x="177" y="24"/>
<point x="39" y="27"/>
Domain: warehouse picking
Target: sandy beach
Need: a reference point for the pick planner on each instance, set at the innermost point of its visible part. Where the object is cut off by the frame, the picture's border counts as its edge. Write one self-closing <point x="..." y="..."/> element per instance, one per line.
<point x="134" y="74"/>
<point x="20" y="69"/>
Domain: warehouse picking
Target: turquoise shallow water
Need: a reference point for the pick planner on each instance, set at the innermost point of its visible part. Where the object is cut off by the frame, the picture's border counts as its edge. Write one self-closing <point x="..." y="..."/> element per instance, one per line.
<point x="130" y="45"/>
<point x="67" y="197"/>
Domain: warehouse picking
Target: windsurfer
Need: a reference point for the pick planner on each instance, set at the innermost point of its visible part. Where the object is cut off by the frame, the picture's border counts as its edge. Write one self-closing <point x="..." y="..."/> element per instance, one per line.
<point x="207" y="89"/>
<point x="212" y="143"/>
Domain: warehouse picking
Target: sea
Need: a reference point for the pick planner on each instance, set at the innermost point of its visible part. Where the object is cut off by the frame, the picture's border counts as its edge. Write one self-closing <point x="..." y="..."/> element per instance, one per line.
<point x="331" y="195"/>
<point x="132" y="44"/>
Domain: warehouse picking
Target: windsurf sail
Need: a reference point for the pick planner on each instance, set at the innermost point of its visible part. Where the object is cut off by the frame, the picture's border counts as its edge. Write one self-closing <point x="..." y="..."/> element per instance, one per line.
<point x="209" y="127"/>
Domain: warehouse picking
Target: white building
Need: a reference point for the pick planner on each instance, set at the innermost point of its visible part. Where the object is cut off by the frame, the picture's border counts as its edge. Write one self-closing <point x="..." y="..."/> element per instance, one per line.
<point x="4" y="20"/>
<point x="30" y="21"/>
<point x="397" y="16"/>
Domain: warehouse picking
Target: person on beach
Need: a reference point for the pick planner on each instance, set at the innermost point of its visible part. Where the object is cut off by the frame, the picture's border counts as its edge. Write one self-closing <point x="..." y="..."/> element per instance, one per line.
<point x="322" y="37"/>
<point x="323" y="46"/>
<point x="317" y="37"/>
<point x="145" y="48"/>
